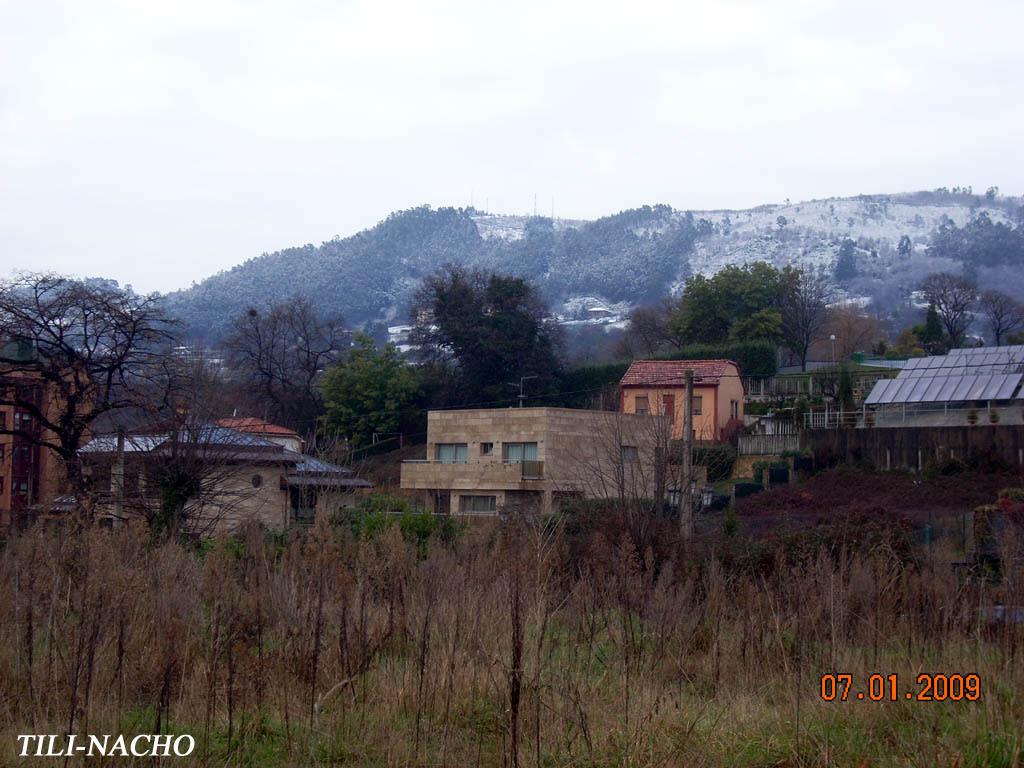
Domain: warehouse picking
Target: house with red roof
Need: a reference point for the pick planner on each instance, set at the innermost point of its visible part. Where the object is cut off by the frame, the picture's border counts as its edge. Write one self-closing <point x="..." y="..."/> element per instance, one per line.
<point x="658" y="387"/>
<point x="286" y="438"/>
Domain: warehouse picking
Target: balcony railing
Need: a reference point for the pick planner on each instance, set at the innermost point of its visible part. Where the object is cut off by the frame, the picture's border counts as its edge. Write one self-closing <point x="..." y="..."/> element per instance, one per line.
<point x="422" y="470"/>
<point x="532" y="470"/>
<point x="915" y="415"/>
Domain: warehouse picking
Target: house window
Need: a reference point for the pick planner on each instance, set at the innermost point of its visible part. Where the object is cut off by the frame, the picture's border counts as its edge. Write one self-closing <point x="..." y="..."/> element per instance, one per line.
<point x="734" y="409"/>
<point x="517" y="453"/>
<point x="3" y="452"/>
<point x="486" y="449"/>
<point x="698" y="402"/>
<point x="478" y="505"/>
<point x="641" y="405"/>
<point x="630" y="454"/>
<point x="452" y="453"/>
<point x="3" y="419"/>
<point x="1" y="485"/>
<point x="257" y="481"/>
<point x="668" y="407"/>
<point x="23" y="421"/>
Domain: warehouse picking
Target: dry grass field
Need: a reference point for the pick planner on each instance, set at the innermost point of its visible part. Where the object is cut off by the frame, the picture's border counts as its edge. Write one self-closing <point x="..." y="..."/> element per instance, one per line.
<point x="519" y="644"/>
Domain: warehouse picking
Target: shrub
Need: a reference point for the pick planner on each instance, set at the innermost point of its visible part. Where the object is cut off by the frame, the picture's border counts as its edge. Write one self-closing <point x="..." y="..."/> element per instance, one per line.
<point x="578" y="385"/>
<point x="945" y="467"/>
<point x="1011" y="501"/>
<point x="1012" y="494"/>
<point x="747" y="488"/>
<point x="757" y="408"/>
<point x="731" y="523"/>
<point x="755" y="358"/>
<point x="375" y="514"/>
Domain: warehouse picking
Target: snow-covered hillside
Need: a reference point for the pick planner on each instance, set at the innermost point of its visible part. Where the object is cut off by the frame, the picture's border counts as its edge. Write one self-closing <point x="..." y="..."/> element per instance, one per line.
<point x="805" y="234"/>
<point x="808" y="234"/>
<point x="594" y="272"/>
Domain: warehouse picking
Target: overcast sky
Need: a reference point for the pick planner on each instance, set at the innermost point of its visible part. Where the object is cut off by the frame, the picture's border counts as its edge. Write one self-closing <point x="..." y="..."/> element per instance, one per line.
<point x="159" y="142"/>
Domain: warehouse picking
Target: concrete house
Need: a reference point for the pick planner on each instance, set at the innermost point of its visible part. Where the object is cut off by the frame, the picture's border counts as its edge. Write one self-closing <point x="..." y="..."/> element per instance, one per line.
<point x="240" y="477"/>
<point x="659" y="387"/>
<point x="480" y="461"/>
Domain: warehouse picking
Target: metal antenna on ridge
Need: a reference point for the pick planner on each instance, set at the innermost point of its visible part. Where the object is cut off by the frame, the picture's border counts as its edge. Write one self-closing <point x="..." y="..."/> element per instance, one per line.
<point x="522" y="387"/>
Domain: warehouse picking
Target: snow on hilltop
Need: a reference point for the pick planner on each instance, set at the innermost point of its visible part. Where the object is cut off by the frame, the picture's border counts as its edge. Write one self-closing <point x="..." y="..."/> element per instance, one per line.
<point x="592" y="272"/>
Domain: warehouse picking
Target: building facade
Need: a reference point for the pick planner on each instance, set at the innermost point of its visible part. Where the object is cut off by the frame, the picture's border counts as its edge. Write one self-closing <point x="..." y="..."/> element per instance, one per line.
<point x="483" y="461"/>
<point x="659" y="387"/>
<point x="234" y="477"/>
<point x="29" y="473"/>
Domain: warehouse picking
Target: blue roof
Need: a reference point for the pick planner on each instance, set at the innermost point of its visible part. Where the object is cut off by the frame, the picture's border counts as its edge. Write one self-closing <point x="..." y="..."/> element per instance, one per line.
<point x="205" y="434"/>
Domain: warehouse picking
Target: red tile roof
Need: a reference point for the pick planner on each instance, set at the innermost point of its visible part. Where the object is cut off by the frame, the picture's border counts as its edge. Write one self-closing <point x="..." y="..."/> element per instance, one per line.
<point x="256" y="426"/>
<point x="672" y="373"/>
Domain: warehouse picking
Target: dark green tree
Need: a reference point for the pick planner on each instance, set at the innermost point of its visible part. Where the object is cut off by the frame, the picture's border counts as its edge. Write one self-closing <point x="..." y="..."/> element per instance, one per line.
<point x="485" y="331"/>
<point x="905" y="246"/>
<point x="764" y="324"/>
<point x="980" y="243"/>
<point x="711" y="305"/>
<point x="930" y="333"/>
<point x="373" y="390"/>
<point x="844" y="389"/>
<point x="846" y="261"/>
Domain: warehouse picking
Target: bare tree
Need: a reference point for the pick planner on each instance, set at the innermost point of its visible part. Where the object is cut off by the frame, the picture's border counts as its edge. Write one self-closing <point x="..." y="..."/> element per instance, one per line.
<point x="648" y="330"/>
<point x="74" y="352"/>
<point x="1004" y="313"/>
<point x="954" y="297"/>
<point x="803" y="304"/>
<point x="281" y="352"/>
<point x="170" y="464"/>
<point x="854" y="330"/>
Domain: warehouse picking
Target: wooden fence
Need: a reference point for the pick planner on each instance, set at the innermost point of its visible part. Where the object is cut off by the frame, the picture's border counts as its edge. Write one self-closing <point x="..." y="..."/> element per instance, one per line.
<point x="914" y="448"/>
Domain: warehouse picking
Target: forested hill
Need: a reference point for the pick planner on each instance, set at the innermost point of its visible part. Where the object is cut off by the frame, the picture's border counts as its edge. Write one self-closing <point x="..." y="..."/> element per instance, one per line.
<point x="624" y="259"/>
<point x="369" y="277"/>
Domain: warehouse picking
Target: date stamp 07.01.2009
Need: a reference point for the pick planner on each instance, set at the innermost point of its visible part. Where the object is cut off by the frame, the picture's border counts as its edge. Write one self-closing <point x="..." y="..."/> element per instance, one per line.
<point x="926" y="686"/>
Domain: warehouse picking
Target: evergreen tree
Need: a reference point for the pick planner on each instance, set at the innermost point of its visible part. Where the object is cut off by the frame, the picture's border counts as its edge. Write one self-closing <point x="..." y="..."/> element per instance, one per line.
<point x="932" y="337"/>
<point x="371" y="391"/>
<point x="846" y="262"/>
<point x="713" y="307"/>
<point x="485" y="332"/>
<point x="905" y="246"/>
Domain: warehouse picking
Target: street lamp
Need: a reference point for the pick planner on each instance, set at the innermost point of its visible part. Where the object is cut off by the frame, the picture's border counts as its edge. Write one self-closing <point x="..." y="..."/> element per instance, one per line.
<point x="832" y="338"/>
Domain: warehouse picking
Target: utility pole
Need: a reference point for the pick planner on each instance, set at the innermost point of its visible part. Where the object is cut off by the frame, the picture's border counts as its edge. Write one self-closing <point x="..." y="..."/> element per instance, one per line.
<point x="686" y="498"/>
<point x="117" y="478"/>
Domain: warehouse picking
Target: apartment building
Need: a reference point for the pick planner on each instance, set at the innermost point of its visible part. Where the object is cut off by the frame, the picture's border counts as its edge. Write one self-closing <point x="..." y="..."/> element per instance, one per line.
<point x="659" y="387"/>
<point x="29" y="474"/>
<point x="481" y="461"/>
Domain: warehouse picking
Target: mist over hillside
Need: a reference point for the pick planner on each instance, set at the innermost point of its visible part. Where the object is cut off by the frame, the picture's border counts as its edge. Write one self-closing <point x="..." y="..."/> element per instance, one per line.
<point x="636" y="256"/>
